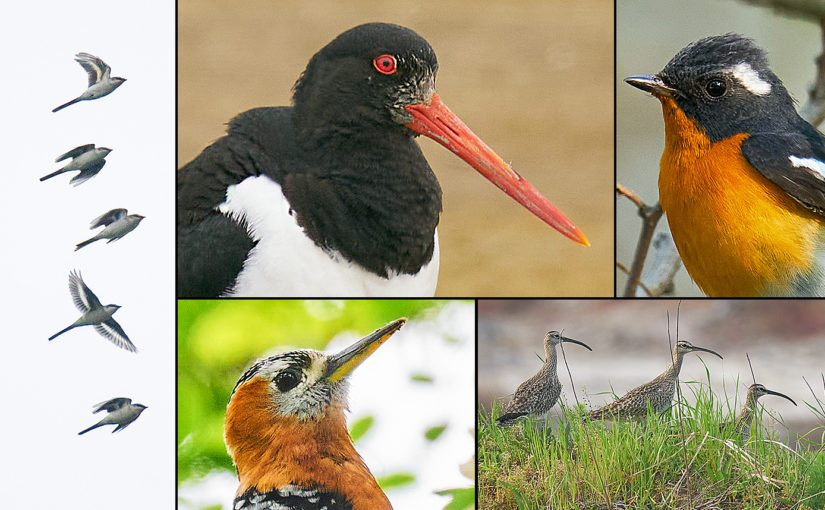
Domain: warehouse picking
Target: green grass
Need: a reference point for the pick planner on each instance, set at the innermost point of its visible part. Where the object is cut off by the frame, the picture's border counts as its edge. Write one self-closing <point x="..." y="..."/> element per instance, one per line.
<point x="688" y="462"/>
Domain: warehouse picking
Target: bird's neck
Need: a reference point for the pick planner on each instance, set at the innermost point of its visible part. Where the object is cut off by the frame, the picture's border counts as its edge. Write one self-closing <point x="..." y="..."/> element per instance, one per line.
<point x="550" y="358"/>
<point x="272" y="452"/>
<point x="672" y="373"/>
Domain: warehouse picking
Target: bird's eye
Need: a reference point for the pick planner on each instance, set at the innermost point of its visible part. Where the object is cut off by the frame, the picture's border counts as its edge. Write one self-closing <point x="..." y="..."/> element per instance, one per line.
<point x="385" y="64"/>
<point x="285" y="381"/>
<point x="715" y="88"/>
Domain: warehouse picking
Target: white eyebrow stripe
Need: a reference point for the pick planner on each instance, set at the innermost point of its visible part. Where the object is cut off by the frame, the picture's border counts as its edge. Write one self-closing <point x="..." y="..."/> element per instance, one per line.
<point x="750" y="79"/>
<point x="810" y="163"/>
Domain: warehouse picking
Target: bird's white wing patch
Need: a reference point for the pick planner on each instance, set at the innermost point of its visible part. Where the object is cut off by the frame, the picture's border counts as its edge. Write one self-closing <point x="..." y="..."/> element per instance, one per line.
<point x="749" y="78"/>
<point x="811" y="164"/>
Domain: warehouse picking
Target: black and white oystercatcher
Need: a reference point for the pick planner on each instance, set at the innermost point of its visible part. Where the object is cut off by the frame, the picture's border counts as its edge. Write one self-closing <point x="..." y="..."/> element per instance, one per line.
<point x="333" y="197"/>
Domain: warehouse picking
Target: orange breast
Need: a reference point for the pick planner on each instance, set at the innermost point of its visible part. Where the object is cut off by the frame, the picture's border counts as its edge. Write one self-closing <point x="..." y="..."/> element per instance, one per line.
<point x="271" y="451"/>
<point x="738" y="233"/>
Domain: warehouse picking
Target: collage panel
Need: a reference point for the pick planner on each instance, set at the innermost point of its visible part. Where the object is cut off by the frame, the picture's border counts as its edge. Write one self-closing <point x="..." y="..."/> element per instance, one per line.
<point x="87" y="351"/>
<point x="292" y="404"/>
<point x="579" y="406"/>
<point x="707" y="95"/>
<point x="331" y="181"/>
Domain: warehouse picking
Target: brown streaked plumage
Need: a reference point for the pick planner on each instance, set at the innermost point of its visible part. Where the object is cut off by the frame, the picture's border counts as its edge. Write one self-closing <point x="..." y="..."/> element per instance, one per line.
<point x="742" y="424"/>
<point x="658" y="393"/>
<point x="537" y="395"/>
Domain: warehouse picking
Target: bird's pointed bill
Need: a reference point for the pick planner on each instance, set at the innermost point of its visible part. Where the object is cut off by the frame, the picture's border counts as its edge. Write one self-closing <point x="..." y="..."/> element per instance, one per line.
<point x="572" y="341"/>
<point x="653" y="84"/>
<point x="769" y="392"/>
<point x="436" y="121"/>
<point x="695" y="348"/>
<point x="343" y="363"/>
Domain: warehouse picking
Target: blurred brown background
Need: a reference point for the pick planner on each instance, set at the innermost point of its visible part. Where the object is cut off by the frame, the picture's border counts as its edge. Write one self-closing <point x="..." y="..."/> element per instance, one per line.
<point x="534" y="79"/>
<point x="648" y="35"/>
<point x="785" y="341"/>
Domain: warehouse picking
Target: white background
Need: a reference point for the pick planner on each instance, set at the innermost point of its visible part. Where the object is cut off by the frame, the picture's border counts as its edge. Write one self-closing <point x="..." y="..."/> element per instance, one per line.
<point x="49" y="388"/>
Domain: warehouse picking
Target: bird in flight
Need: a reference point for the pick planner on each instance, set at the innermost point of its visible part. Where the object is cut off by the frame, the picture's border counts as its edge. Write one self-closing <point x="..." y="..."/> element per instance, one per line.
<point x="117" y="223"/>
<point x="95" y="314"/>
<point x="86" y="158"/>
<point x="121" y="411"/>
<point x="100" y="83"/>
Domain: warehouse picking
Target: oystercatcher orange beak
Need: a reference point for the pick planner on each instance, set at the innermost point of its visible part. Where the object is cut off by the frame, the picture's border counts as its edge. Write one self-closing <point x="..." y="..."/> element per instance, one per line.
<point x="436" y="121"/>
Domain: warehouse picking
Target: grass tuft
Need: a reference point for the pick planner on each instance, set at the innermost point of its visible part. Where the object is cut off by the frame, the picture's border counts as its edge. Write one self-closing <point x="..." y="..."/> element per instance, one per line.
<point x="573" y="462"/>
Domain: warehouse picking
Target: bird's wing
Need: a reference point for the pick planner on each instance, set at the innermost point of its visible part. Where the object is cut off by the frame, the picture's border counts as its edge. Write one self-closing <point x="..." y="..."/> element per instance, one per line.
<point x="793" y="161"/>
<point x="112" y="331"/>
<point x="87" y="173"/>
<point x="112" y="404"/>
<point x="77" y="151"/>
<point x="108" y="218"/>
<point x="211" y="246"/>
<point x="96" y="68"/>
<point x="84" y="299"/>
<point x="524" y="395"/>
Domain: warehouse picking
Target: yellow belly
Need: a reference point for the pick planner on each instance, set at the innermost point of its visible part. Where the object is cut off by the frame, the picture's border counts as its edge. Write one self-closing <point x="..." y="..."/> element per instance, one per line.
<point x="738" y="233"/>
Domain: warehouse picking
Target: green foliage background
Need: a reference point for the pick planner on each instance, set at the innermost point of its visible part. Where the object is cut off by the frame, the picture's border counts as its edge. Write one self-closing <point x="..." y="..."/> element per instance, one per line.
<point x="219" y="339"/>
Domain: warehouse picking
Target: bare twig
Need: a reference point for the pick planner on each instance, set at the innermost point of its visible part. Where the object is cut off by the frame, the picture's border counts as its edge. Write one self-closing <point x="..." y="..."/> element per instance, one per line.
<point x="626" y="271"/>
<point x="799" y="8"/>
<point x="679" y="410"/>
<point x="814" y="108"/>
<point x="818" y="402"/>
<point x="587" y="433"/>
<point x="662" y="264"/>
<point x="650" y="218"/>
<point x="751" y="366"/>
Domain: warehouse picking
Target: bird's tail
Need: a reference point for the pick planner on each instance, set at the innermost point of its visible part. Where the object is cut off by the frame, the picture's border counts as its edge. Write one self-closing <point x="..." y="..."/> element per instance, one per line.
<point x="61" y="332"/>
<point x="58" y="172"/>
<point x="84" y="243"/>
<point x="73" y="101"/>
<point x="508" y="419"/>
<point x="96" y="425"/>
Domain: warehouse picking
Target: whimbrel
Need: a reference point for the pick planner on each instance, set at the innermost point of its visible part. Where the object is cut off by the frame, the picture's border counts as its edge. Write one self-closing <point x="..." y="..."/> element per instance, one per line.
<point x="537" y="395"/>
<point x="658" y="393"/>
<point x="742" y="424"/>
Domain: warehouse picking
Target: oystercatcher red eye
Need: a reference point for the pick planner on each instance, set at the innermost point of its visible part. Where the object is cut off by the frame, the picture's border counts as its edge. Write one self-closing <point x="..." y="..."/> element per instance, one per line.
<point x="384" y="64"/>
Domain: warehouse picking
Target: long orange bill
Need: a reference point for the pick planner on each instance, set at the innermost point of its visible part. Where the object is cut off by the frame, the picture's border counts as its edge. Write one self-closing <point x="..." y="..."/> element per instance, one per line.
<point x="436" y="121"/>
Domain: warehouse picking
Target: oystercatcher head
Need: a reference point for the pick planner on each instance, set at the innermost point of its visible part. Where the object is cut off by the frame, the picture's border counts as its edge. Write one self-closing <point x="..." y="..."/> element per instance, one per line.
<point x="333" y="197"/>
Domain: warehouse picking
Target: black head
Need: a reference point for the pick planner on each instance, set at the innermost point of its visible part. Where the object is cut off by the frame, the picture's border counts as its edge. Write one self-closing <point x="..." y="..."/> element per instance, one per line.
<point x="724" y="83"/>
<point x="366" y="76"/>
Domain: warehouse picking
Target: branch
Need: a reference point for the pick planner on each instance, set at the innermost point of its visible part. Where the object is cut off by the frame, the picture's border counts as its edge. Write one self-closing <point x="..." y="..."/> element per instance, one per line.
<point x="799" y="8"/>
<point x="650" y="218"/>
<point x="814" y="108"/>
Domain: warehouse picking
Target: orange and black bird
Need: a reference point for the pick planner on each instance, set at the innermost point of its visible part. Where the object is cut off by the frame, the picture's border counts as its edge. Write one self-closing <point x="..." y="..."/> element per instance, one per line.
<point x="742" y="176"/>
<point x="287" y="435"/>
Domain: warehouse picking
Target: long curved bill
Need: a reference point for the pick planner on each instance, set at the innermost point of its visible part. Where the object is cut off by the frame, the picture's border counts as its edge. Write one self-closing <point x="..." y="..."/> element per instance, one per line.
<point x="342" y="364"/>
<point x="769" y="392"/>
<point x="695" y="348"/>
<point x="572" y="341"/>
<point x="436" y="121"/>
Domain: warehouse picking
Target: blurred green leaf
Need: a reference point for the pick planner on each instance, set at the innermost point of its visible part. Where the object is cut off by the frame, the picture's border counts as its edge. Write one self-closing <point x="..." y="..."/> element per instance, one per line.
<point x="461" y="498"/>
<point x="396" y="480"/>
<point x="424" y="378"/>
<point x="360" y="427"/>
<point x="433" y="433"/>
